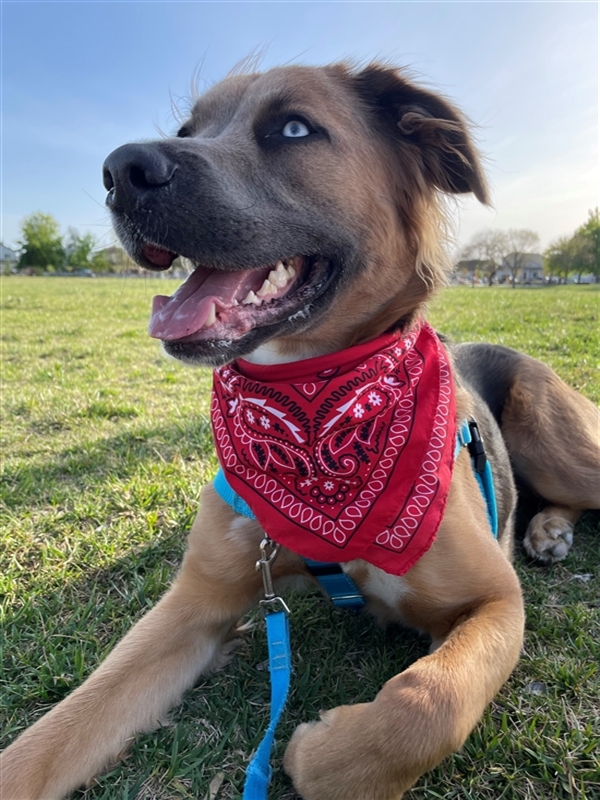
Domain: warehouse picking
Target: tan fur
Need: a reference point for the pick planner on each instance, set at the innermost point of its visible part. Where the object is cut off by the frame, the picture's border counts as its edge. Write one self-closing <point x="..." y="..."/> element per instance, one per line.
<point x="552" y="434"/>
<point x="464" y="591"/>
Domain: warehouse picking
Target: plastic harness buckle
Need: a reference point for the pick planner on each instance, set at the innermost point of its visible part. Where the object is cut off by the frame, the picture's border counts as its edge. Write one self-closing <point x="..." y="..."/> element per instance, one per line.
<point x="476" y="448"/>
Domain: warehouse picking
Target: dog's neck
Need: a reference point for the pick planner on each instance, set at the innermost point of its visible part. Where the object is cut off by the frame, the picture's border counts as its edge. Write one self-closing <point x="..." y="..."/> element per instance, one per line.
<point x="288" y="350"/>
<point x="272" y="353"/>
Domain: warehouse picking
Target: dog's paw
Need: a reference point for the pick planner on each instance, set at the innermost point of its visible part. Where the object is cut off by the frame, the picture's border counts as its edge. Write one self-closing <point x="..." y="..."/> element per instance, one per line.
<point x="312" y="759"/>
<point x="549" y="537"/>
<point x="342" y="758"/>
<point x="299" y="762"/>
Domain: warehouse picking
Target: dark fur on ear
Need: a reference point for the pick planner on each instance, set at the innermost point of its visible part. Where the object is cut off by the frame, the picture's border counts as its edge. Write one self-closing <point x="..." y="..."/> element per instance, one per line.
<point x="435" y="131"/>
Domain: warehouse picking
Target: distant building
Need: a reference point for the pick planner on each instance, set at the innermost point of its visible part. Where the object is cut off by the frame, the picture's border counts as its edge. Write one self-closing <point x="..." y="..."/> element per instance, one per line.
<point x="529" y="268"/>
<point x="8" y="260"/>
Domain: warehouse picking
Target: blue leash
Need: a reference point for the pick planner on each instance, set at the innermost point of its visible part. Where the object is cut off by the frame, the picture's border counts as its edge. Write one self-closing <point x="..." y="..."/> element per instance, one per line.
<point x="258" y="774"/>
<point x="344" y="593"/>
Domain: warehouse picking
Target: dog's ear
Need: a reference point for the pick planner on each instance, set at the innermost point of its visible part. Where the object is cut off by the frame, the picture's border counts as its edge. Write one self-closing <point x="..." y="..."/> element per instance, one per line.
<point x="430" y="125"/>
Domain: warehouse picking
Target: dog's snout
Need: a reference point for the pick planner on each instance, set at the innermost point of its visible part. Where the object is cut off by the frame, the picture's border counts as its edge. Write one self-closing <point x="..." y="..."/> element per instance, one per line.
<point x="131" y="171"/>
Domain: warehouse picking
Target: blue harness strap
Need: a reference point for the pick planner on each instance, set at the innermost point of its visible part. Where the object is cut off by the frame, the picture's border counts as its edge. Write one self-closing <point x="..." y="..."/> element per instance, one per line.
<point x="338" y="586"/>
<point x="468" y="436"/>
<point x="226" y="493"/>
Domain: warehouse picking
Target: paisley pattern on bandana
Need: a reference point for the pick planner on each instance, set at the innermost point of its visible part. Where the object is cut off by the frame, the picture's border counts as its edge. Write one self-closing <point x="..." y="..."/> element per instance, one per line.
<point x="343" y="456"/>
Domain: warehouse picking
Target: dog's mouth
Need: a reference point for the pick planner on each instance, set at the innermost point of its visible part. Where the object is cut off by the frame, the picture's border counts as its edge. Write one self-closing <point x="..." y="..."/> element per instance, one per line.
<point x="216" y="304"/>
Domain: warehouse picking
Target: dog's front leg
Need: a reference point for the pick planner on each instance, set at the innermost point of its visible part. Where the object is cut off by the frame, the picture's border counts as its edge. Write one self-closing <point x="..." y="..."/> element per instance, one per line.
<point x="466" y="594"/>
<point x="186" y="635"/>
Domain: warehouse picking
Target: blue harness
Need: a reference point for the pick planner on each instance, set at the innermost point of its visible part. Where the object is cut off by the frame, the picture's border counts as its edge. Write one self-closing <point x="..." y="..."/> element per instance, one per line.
<point x="468" y="436"/>
<point x="338" y="586"/>
<point x="342" y="590"/>
<point x="333" y="580"/>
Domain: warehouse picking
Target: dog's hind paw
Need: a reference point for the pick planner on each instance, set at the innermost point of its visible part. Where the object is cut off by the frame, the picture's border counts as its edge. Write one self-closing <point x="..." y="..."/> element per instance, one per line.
<point x="549" y="536"/>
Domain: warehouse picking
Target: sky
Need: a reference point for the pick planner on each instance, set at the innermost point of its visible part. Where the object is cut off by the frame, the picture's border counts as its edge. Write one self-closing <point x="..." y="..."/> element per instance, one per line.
<point x="81" y="78"/>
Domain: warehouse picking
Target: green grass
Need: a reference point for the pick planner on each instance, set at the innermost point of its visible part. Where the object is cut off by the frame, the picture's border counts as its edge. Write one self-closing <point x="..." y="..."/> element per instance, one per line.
<point x="106" y="444"/>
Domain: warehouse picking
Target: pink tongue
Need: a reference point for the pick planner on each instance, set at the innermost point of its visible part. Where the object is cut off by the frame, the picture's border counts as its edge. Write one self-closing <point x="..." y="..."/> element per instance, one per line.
<point x="187" y="310"/>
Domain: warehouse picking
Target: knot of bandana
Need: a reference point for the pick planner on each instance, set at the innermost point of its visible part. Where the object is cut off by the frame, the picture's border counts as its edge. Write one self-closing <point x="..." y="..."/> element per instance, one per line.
<point x="343" y="456"/>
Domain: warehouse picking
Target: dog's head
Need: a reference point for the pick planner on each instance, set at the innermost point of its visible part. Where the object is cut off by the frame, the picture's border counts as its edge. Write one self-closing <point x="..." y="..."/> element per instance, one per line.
<point x="309" y="202"/>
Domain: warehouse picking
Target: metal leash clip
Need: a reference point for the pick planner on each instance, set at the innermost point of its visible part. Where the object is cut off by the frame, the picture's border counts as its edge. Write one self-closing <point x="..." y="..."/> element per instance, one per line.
<point x="268" y="553"/>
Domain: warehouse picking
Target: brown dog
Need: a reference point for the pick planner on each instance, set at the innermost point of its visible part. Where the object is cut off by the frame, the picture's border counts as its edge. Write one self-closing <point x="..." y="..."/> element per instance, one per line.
<point x="340" y="175"/>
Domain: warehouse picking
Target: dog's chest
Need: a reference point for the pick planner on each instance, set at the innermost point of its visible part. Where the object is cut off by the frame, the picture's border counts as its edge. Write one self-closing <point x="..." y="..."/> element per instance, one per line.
<point x="384" y="593"/>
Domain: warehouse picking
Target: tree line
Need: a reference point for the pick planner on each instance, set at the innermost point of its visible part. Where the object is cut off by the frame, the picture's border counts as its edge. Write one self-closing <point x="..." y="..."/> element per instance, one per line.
<point x="42" y="248"/>
<point x="578" y="254"/>
<point x="494" y="250"/>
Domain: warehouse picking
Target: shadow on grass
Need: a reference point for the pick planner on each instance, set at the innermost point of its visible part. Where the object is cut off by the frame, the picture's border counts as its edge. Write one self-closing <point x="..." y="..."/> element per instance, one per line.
<point x="116" y="458"/>
<point x="54" y="641"/>
<point x="56" y="636"/>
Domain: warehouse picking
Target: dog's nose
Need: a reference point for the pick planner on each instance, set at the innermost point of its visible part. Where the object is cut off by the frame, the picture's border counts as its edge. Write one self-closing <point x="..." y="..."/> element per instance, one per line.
<point x="133" y="170"/>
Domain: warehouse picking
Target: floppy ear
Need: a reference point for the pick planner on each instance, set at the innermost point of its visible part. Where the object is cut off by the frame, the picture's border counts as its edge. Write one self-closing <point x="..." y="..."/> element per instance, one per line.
<point x="429" y="125"/>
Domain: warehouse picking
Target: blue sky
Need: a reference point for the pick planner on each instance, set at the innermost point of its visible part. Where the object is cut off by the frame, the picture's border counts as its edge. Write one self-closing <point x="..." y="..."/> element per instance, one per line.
<point x="81" y="78"/>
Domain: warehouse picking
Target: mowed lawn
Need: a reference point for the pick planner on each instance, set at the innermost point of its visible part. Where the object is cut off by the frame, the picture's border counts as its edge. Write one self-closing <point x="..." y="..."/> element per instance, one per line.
<point x="106" y="444"/>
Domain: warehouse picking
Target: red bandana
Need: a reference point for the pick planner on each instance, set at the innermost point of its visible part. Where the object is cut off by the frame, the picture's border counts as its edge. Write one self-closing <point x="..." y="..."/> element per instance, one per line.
<point x="344" y="456"/>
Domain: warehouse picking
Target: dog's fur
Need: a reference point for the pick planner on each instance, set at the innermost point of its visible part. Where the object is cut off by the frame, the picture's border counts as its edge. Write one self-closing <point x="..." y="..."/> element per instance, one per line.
<point x="362" y="196"/>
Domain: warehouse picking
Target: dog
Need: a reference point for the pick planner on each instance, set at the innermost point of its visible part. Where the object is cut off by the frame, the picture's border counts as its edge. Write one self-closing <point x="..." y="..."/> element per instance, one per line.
<point x="311" y="202"/>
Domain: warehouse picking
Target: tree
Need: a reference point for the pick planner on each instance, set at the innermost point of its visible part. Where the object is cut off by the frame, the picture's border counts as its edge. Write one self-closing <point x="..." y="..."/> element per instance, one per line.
<point x="81" y="255"/>
<point x="100" y="262"/>
<point x="488" y="247"/>
<point x="41" y="243"/>
<point x="520" y="242"/>
<point x="578" y="254"/>
<point x="559" y="258"/>
<point x="79" y="248"/>
<point x="589" y="244"/>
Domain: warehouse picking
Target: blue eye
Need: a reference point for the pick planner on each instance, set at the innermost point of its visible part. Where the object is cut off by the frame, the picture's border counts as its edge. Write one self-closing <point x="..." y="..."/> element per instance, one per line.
<point x="295" y="129"/>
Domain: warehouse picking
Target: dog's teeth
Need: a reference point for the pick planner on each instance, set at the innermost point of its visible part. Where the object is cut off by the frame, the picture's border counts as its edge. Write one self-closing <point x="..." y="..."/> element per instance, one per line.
<point x="235" y="303"/>
<point x="276" y="280"/>
<point x="279" y="277"/>
<point x="251" y="299"/>
<point x="212" y="316"/>
<point x="267" y="288"/>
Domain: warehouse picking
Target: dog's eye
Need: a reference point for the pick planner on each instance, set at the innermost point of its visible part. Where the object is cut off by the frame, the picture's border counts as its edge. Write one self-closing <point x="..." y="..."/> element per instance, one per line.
<point x="280" y="129"/>
<point x="294" y="129"/>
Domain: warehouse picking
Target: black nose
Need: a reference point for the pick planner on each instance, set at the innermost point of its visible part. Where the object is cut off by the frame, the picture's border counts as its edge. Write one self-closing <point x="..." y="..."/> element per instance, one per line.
<point x="133" y="170"/>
